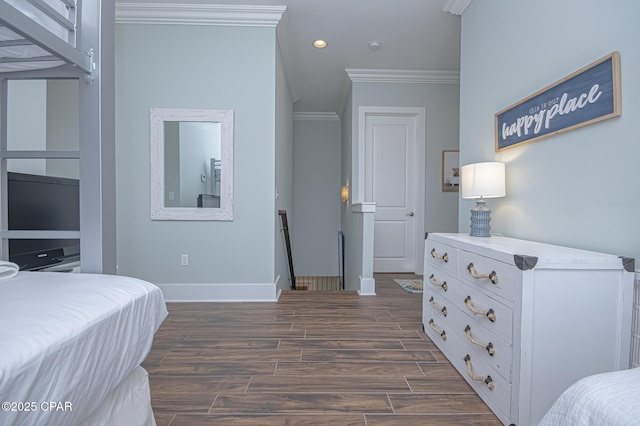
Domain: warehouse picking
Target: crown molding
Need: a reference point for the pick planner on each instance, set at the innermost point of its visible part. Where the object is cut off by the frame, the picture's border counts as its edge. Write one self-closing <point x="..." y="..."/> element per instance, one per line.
<point x="316" y="116"/>
<point x="456" y="7"/>
<point x="402" y="76"/>
<point x="199" y="14"/>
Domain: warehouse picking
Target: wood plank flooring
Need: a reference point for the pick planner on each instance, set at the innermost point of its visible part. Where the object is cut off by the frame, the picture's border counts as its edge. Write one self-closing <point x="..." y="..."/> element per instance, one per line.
<point x="310" y="359"/>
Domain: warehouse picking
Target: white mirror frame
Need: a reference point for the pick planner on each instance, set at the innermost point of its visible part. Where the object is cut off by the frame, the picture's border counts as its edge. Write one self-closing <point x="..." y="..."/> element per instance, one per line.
<point x="158" y="209"/>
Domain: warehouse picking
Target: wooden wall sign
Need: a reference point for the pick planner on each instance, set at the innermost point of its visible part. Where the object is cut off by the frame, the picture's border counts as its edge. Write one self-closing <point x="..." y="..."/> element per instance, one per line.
<point x="587" y="96"/>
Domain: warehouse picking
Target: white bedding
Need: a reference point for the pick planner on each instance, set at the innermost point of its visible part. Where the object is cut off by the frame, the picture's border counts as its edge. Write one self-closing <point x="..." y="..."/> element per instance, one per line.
<point x="128" y="404"/>
<point x="70" y="339"/>
<point x="607" y="399"/>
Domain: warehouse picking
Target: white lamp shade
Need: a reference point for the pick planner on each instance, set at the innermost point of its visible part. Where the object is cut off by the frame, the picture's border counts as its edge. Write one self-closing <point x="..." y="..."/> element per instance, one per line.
<point x="483" y="180"/>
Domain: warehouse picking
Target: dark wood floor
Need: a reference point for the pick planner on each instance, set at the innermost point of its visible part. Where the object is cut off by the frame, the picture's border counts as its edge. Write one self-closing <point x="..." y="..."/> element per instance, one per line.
<point x="309" y="359"/>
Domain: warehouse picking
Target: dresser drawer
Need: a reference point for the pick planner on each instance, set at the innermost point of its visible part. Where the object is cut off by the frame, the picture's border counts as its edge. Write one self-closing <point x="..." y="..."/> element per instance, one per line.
<point x="440" y="255"/>
<point x="434" y="304"/>
<point x="491" y="275"/>
<point x="436" y="280"/>
<point x="437" y="329"/>
<point x="482" y="309"/>
<point x="481" y="343"/>
<point x="478" y="373"/>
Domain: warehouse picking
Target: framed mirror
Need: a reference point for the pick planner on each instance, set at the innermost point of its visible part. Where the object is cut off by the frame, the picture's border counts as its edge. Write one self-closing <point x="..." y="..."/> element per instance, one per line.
<point x="191" y="164"/>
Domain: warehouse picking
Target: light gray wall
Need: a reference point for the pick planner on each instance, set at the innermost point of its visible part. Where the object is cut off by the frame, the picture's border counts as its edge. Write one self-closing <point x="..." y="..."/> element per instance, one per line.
<point x="579" y="188"/>
<point x="200" y="67"/>
<point x="316" y="197"/>
<point x="283" y="170"/>
<point x="441" y="102"/>
<point x="27" y="123"/>
<point x="62" y="126"/>
<point x="43" y="114"/>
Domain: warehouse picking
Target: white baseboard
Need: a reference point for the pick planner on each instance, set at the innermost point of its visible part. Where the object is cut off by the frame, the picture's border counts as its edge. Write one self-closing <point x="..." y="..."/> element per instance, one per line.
<point x="239" y="292"/>
<point x="367" y="286"/>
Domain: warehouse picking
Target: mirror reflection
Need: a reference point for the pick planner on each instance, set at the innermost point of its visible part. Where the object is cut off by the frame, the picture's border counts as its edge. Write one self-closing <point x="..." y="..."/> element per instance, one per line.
<point x="191" y="164"/>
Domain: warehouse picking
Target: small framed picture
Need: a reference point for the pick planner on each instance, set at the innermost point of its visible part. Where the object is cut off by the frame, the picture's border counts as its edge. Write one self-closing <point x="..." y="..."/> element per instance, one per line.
<point x="450" y="171"/>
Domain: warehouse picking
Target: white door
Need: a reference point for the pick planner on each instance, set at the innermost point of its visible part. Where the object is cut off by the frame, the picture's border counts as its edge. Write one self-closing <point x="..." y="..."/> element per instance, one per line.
<point x="391" y="171"/>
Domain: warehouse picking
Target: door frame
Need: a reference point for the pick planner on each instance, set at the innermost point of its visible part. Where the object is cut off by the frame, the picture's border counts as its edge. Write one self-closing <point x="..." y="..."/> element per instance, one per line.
<point x="419" y="113"/>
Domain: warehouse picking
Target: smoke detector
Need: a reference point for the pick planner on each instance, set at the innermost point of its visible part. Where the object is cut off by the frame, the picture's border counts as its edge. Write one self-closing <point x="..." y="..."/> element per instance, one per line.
<point x="374" y="45"/>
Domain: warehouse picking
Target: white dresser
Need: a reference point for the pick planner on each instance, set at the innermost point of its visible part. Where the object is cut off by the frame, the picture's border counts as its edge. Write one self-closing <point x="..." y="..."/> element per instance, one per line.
<point x="521" y="321"/>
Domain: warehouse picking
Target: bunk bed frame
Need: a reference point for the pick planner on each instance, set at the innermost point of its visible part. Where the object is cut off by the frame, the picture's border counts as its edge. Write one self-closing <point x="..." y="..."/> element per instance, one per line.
<point x="84" y="51"/>
<point x="75" y="339"/>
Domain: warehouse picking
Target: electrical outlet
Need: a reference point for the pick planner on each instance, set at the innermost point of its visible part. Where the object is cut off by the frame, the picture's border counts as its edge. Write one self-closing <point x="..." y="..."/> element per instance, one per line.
<point x="184" y="260"/>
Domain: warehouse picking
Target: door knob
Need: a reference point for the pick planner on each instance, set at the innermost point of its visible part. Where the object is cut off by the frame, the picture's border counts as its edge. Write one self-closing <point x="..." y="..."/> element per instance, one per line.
<point x="410" y="214"/>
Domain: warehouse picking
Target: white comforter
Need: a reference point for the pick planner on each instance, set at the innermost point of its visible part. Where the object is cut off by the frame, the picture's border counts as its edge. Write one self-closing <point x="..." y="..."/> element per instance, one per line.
<point x="608" y="399"/>
<point x="68" y="339"/>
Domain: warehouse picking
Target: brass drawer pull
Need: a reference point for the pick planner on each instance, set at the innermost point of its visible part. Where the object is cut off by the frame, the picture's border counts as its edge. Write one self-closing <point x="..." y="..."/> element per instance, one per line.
<point x="490" y="313"/>
<point x="487" y="379"/>
<point x="443" y="309"/>
<point x="437" y="255"/>
<point x="437" y="330"/>
<point x="488" y="347"/>
<point x="493" y="276"/>
<point x="437" y="283"/>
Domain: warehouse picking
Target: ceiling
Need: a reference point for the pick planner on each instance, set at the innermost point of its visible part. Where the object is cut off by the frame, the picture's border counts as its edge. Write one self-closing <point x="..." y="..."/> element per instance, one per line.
<point x="415" y="36"/>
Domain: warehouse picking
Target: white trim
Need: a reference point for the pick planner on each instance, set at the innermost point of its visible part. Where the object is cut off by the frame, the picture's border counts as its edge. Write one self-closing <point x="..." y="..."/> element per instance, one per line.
<point x="421" y="122"/>
<point x="316" y="116"/>
<point x="363" y="207"/>
<point x="199" y="14"/>
<point x="456" y="7"/>
<point x="367" y="286"/>
<point x="402" y="76"/>
<point x="239" y="292"/>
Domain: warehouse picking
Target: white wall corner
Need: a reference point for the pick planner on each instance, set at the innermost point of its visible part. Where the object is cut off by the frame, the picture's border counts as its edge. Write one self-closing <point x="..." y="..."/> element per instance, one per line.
<point x="283" y="31"/>
<point x="367" y="286"/>
<point x="456" y="7"/>
<point x="345" y="91"/>
<point x="242" y="292"/>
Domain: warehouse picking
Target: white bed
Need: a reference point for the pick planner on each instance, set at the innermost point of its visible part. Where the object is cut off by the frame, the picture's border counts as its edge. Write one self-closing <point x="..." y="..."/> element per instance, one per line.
<point x="76" y="340"/>
<point x="607" y="399"/>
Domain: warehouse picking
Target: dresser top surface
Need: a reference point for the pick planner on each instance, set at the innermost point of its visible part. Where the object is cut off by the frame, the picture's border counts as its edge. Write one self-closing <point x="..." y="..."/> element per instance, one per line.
<point x="547" y="255"/>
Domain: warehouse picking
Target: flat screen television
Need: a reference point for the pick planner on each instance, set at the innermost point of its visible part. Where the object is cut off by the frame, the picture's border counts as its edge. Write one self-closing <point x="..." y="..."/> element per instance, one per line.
<point x="49" y="203"/>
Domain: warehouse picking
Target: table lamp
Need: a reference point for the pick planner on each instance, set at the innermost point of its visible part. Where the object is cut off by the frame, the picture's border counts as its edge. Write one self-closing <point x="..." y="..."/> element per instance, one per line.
<point x="480" y="181"/>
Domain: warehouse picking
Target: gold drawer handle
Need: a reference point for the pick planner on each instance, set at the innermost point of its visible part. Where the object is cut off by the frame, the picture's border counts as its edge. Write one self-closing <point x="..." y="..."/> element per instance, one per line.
<point x="487" y="379"/>
<point x="443" y="309"/>
<point x="490" y="313"/>
<point x="437" y="330"/>
<point x="493" y="276"/>
<point x="437" y="283"/>
<point x="437" y="255"/>
<point x="488" y="347"/>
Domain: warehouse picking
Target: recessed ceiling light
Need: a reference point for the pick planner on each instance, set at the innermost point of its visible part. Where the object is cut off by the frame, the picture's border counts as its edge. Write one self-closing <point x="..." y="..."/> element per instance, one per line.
<point x="320" y="44"/>
<point x="374" y="45"/>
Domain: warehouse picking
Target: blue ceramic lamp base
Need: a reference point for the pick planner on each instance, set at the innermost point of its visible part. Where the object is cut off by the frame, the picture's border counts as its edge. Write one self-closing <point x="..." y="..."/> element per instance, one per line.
<point x="480" y="218"/>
